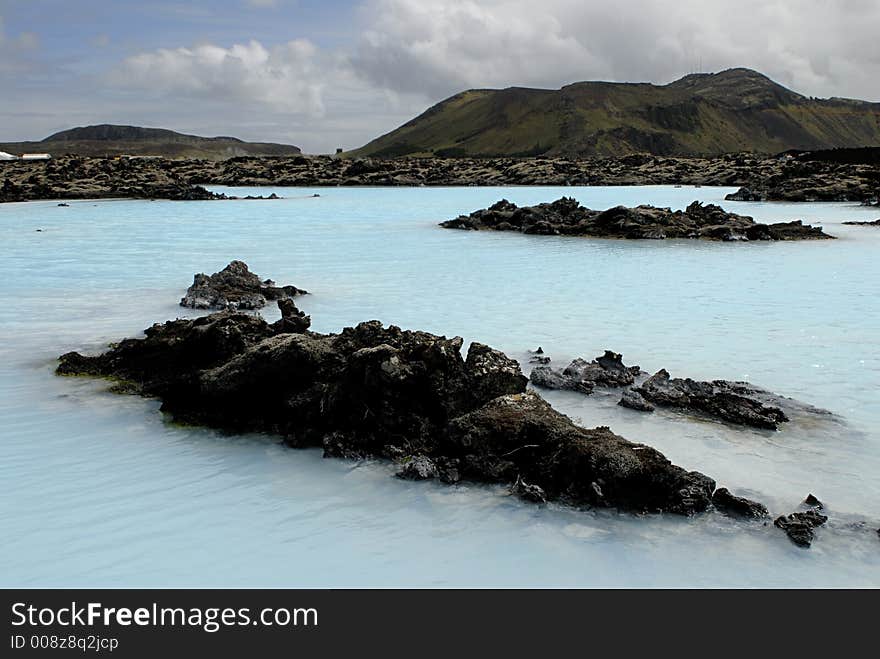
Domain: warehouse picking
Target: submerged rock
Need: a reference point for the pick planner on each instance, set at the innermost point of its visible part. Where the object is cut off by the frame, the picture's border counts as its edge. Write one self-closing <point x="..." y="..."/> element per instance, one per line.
<point x="734" y="402"/>
<point x="738" y="506"/>
<point x="383" y="391"/>
<point x="566" y="217"/>
<point x="608" y="370"/>
<point x="799" y="526"/>
<point x="551" y="378"/>
<point x="875" y="223"/>
<point x="635" y="401"/>
<point x="234" y="287"/>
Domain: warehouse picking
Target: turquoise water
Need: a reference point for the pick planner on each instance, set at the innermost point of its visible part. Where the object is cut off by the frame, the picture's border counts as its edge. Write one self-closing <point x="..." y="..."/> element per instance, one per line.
<point x="101" y="490"/>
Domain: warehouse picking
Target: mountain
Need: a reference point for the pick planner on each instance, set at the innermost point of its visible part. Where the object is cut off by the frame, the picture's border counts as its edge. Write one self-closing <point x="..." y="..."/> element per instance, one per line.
<point x="110" y="140"/>
<point x="700" y="114"/>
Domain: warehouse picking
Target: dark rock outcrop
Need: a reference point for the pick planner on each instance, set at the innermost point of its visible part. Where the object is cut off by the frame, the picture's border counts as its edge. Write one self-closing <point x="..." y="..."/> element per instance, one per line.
<point x="813" y="502"/>
<point x="744" y="194"/>
<point x="418" y="468"/>
<point x="735" y="402"/>
<point x="633" y="400"/>
<point x="79" y="177"/>
<point x="292" y="319"/>
<point x="738" y="506"/>
<point x="236" y="287"/>
<point x="566" y="217"/>
<point x="799" y="526"/>
<point x="382" y="391"/>
<point x="607" y="370"/>
<point x="875" y="223"/>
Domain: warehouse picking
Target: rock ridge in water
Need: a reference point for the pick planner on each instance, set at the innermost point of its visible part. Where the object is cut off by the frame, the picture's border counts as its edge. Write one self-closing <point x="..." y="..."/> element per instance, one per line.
<point x="740" y="403"/>
<point x="607" y="370"/>
<point x="875" y="223"/>
<point x="234" y="287"/>
<point x="566" y="217"/>
<point x="382" y="391"/>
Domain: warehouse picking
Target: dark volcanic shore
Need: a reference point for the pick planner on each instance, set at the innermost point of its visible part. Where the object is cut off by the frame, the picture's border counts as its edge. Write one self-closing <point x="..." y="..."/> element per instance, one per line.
<point x="772" y="178"/>
<point x="566" y="217"/>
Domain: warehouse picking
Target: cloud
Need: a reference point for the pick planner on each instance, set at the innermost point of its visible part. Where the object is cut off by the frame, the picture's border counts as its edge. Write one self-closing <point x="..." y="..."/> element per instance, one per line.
<point x="440" y="47"/>
<point x="286" y="78"/>
<point x="293" y="91"/>
<point x="361" y="74"/>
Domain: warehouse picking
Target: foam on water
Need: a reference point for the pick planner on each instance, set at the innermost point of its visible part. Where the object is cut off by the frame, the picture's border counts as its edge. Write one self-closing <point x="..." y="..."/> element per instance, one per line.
<point x="100" y="489"/>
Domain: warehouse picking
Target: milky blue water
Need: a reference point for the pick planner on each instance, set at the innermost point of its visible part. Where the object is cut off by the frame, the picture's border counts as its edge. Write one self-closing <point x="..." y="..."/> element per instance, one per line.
<point x="101" y="490"/>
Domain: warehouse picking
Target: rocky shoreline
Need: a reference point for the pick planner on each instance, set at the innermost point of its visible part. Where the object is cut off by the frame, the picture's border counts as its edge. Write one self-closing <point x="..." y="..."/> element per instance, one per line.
<point x="373" y="391"/>
<point x="566" y="217"/>
<point x="763" y="177"/>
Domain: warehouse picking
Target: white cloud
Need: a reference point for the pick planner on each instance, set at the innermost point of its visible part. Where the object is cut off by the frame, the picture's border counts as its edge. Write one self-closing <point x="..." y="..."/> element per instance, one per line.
<point x="285" y="78"/>
<point x="816" y="46"/>
<point x="405" y="55"/>
<point x="292" y="92"/>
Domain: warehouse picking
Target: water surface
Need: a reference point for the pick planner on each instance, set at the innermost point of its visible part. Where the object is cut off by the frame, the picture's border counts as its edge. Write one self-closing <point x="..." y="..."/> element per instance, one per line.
<point x="101" y="490"/>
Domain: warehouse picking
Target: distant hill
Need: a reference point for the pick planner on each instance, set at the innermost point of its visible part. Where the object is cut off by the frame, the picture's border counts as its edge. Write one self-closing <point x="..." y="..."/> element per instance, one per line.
<point x="701" y="114"/>
<point x="110" y="140"/>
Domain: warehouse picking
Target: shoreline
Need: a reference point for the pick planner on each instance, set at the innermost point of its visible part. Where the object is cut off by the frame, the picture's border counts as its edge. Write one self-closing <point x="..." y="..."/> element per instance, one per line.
<point x="756" y="178"/>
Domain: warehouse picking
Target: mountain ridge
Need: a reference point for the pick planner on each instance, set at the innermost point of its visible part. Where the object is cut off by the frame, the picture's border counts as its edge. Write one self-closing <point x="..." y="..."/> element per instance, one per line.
<point x="115" y="140"/>
<point x="702" y="114"/>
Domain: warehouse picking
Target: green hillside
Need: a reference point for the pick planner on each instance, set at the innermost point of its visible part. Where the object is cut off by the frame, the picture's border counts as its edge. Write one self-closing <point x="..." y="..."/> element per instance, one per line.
<point x="701" y="114"/>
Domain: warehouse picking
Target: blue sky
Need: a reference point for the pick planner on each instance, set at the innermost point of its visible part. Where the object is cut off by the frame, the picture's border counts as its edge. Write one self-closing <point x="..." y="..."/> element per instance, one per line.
<point x="338" y="73"/>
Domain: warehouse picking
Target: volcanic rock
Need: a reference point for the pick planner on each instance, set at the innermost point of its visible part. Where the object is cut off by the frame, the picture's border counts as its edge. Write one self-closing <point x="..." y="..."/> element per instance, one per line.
<point x="737" y="506"/>
<point x="734" y="402"/>
<point x="799" y="526"/>
<point x="608" y="370"/>
<point x="875" y="223"/>
<point x="635" y="401"/>
<point x="234" y="287"/>
<point x="566" y="217"/>
<point x="375" y="391"/>
<point x="418" y="468"/>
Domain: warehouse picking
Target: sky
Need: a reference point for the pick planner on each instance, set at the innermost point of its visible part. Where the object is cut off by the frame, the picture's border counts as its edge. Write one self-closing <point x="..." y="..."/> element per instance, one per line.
<point x="337" y="73"/>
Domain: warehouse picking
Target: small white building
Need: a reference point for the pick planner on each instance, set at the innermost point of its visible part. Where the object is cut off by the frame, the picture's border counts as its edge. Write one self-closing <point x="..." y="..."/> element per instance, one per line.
<point x="7" y="156"/>
<point x="35" y="156"/>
